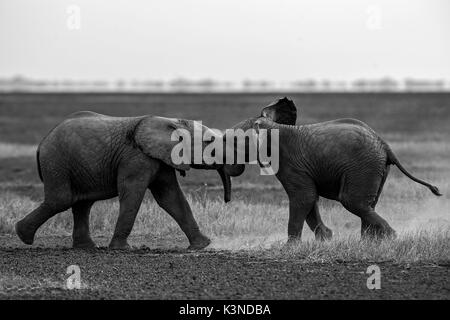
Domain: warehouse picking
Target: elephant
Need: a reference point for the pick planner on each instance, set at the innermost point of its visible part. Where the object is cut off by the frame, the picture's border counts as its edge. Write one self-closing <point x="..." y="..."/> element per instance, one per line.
<point x="343" y="160"/>
<point x="90" y="157"/>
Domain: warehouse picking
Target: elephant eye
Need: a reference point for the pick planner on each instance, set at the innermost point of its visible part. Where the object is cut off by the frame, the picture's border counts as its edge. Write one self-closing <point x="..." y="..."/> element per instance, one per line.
<point x="172" y="126"/>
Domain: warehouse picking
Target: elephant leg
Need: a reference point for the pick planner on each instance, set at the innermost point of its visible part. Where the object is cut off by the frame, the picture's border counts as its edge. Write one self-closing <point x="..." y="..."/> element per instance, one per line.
<point x="298" y="210"/>
<point x="170" y="197"/>
<point x="372" y="225"/>
<point x="302" y="199"/>
<point x="302" y="194"/>
<point x="131" y="189"/>
<point x="58" y="198"/>
<point x="360" y="196"/>
<point x="316" y="224"/>
<point x="81" y="235"/>
<point x="27" y="227"/>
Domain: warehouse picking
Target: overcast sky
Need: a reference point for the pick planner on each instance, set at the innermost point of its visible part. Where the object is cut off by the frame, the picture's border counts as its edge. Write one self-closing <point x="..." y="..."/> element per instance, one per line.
<point x="225" y="39"/>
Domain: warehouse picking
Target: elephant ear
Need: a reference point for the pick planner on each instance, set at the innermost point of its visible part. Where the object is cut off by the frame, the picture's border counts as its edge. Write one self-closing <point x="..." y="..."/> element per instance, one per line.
<point x="153" y="136"/>
<point x="281" y="111"/>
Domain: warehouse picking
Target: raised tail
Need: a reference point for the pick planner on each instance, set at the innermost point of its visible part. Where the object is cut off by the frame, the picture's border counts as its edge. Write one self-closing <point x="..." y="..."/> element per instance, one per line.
<point x="392" y="159"/>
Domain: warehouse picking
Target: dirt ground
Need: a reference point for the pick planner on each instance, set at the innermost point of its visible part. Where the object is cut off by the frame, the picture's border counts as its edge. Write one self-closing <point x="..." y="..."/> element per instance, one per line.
<point x="39" y="272"/>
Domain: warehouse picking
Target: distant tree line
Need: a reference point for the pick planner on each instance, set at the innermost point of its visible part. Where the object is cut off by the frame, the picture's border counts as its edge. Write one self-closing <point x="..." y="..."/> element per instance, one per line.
<point x="386" y="84"/>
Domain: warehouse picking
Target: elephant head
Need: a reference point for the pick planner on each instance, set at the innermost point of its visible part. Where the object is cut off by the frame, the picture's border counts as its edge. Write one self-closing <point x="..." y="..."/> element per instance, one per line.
<point x="180" y="144"/>
<point x="282" y="111"/>
<point x="168" y="140"/>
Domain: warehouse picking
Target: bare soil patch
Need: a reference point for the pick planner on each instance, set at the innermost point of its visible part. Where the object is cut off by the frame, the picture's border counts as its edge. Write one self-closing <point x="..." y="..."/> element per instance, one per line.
<point x="158" y="273"/>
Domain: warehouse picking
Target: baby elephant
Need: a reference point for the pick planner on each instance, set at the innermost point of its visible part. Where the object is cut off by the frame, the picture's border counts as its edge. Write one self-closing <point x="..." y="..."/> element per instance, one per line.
<point x="91" y="157"/>
<point x="343" y="160"/>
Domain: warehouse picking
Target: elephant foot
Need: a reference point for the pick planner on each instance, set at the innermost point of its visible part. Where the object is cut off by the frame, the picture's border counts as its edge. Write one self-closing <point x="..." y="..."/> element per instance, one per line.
<point x="25" y="233"/>
<point x="84" y="244"/>
<point x="323" y="233"/>
<point x="199" y="243"/>
<point x="292" y="242"/>
<point x="119" y="244"/>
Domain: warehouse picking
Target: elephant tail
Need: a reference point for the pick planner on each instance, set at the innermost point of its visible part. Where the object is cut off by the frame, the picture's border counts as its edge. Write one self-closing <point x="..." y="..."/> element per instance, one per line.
<point x="39" y="165"/>
<point x="392" y="159"/>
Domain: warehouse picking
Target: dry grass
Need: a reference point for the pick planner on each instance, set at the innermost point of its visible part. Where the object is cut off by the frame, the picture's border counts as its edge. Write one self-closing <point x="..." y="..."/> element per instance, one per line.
<point x="426" y="245"/>
<point x="421" y="220"/>
<point x="423" y="226"/>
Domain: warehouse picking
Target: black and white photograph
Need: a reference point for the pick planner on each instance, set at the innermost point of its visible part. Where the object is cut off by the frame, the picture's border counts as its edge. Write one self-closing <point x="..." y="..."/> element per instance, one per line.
<point x="225" y="155"/>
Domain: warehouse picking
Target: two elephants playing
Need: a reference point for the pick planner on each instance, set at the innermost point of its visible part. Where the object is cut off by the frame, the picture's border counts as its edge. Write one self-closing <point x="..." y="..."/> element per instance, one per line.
<point x="91" y="157"/>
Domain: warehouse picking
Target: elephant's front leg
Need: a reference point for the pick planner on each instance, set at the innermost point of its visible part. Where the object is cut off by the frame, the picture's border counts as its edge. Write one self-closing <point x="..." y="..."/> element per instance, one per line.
<point x="170" y="197"/>
<point x="298" y="211"/>
<point x="302" y="195"/>
<point x="131" y="189"/>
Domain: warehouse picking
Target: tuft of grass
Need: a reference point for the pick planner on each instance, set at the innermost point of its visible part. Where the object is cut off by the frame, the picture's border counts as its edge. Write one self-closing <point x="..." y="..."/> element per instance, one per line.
<point x="425" y="245"/>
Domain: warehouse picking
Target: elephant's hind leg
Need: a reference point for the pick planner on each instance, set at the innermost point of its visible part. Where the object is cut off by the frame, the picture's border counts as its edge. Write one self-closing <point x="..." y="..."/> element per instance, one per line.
<point x="27" y="227"/>
<point x="372" y="225"/>
<point x="81" y="235"/>
<point x="58" y="198"/>
<point x="316" y="224"/>
<point x="361" y="199"/>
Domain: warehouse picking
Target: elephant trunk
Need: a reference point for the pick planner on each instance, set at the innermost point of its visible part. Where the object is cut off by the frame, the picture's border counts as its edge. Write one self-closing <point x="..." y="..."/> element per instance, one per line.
<point x="226" y="181"/>
<point x="224" y="175"/>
